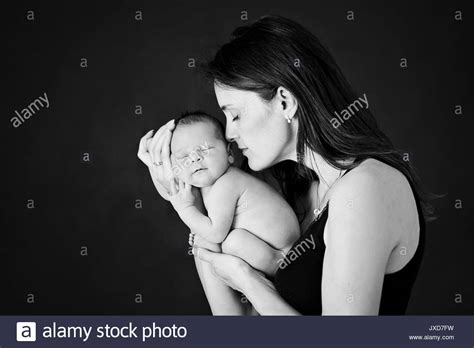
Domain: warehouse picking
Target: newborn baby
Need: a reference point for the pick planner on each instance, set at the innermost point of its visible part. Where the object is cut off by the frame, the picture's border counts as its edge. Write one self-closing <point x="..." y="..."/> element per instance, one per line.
<point x="248" y="216"/>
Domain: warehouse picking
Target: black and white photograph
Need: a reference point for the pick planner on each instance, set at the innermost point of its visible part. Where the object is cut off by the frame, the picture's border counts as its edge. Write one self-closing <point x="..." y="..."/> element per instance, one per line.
<point x="263" y="158"/>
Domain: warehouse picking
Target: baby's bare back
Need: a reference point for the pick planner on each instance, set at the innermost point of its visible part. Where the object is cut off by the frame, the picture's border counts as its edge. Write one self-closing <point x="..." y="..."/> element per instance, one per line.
<point x="262" y="211"/>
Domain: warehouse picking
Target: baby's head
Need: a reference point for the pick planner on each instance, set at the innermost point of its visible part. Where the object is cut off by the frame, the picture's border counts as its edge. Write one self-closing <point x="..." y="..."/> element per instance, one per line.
<point x="200" y="153"/>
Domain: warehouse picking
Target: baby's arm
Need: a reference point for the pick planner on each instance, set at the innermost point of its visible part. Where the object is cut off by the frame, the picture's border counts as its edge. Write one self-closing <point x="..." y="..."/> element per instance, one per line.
<point x="220" y="205"/>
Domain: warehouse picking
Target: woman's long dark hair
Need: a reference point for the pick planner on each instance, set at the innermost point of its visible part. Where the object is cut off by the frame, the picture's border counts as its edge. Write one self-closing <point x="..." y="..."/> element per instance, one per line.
<point x="275" y="51"/>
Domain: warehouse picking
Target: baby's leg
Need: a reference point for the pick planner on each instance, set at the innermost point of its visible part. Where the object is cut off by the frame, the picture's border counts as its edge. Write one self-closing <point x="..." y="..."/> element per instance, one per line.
<point x="253" y="250"/>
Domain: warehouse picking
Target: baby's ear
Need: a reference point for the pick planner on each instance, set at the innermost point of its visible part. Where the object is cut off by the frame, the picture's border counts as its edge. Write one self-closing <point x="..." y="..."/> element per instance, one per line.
<point x="229" y="150"/>
<point x="230" y="153"/>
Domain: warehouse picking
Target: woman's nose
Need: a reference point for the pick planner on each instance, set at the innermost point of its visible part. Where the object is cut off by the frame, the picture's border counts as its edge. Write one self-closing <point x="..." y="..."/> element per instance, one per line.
<point x="230" y="133"/>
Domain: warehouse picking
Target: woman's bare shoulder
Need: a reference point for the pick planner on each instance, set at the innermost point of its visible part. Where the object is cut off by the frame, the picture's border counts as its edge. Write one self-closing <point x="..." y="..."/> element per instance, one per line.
<point x="377" y="192"/>
<point x="374" y="176"/>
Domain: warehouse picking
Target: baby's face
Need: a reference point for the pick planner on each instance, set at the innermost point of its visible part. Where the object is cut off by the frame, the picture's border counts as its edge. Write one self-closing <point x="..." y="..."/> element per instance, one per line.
<point x="198" y="157"/>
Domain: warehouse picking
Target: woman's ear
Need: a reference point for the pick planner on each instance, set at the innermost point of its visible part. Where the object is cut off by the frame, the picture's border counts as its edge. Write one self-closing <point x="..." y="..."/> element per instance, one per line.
<point x="287" y="102"/>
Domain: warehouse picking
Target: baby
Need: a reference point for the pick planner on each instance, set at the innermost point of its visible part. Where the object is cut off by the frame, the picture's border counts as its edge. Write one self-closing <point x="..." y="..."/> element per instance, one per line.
<point x="248" y="216"/>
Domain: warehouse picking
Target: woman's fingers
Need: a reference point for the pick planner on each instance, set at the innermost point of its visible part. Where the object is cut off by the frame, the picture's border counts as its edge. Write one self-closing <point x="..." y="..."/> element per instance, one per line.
<point x="157" y="163"/>
<point x="148" y="141"/>
<point x="161" y="177"/>
<point x="155" y="148"/>
<point x="181" y="185"/>
<point x="162" y="190"/>
<point x="157" y="172"/>
<point x="143" y="153"/>
<point x="157" y="143"/>
<point x="162" y="162"/>
<point x="204" y="254"/>
<point x="173" y="187"/>
<point x="166" y="151"/>
<point x="156" y="137"/>
<point x="200" y="242"/>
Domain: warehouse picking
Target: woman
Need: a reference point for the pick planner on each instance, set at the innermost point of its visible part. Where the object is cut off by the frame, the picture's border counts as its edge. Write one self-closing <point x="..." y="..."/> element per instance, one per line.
<point x="280" y="91"/>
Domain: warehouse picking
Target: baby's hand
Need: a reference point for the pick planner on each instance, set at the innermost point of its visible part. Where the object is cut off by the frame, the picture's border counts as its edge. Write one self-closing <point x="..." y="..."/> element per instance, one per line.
<point x="181" y="196"/>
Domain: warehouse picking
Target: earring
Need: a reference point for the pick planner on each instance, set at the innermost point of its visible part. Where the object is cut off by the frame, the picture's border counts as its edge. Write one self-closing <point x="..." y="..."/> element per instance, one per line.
<point x="231" y="159"/>
<point x="288" y="119"/>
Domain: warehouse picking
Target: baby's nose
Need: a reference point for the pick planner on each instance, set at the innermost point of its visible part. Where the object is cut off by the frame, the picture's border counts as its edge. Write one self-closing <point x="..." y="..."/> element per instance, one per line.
<point x="196" y="157"/>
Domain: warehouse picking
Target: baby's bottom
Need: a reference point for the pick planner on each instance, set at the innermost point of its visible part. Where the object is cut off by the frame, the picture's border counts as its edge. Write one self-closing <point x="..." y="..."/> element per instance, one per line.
<point x="253" y="250"/>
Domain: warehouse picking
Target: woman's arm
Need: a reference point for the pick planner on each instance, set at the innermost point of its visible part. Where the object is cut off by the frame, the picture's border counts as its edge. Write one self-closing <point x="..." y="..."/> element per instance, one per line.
<point x="264" y="297"/>
<point x="222" y="299"/>
<point x="365" y="212"/>
<point x="238" y="275"/>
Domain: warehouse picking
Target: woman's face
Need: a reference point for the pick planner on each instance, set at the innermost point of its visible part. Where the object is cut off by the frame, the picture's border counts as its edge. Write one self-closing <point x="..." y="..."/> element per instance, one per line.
<point x="258" y="127"/>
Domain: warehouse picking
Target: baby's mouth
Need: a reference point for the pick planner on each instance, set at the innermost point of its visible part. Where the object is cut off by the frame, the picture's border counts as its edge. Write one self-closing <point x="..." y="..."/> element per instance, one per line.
<point x="197" y="170"/>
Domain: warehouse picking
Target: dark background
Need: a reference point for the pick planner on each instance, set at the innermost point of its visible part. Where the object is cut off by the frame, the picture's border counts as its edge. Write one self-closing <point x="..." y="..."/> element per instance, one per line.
<point x="92" y="110"/>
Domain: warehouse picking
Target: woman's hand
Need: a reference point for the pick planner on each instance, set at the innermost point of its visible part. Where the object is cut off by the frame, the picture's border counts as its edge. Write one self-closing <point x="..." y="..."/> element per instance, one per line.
<point x="154" y="151"/>
<point x="199" y="242"/>
<point x="231" y="270"/>
<point x="240" y="276"/>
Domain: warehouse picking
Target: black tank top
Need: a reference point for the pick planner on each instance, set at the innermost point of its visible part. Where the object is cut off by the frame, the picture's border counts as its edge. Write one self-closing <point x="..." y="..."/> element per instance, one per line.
<point x="298" y="281"/>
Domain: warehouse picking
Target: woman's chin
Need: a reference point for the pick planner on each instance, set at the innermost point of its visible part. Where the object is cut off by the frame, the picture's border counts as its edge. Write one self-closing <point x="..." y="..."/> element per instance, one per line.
<point x="255" y="166"/>
<point x="258" y="166"/>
